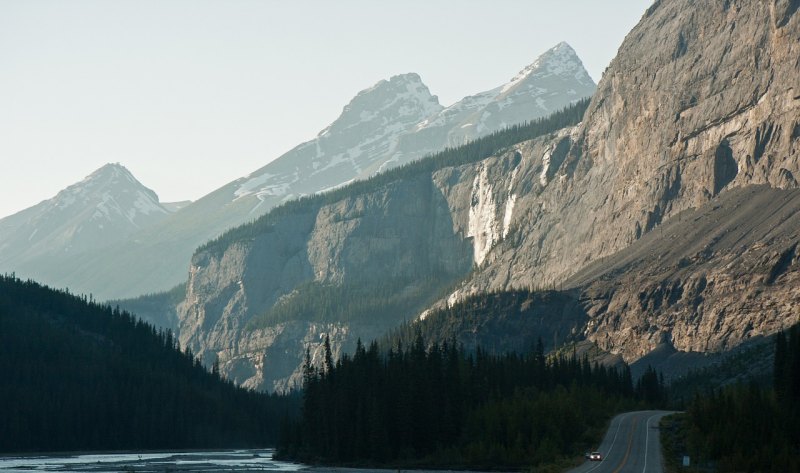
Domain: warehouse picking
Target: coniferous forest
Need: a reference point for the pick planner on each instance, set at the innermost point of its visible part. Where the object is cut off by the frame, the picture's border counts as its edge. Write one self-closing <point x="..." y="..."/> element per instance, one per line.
<point x="439" y="406"/>
<point x="77" y="375"/>
<point x="749" y="427"/>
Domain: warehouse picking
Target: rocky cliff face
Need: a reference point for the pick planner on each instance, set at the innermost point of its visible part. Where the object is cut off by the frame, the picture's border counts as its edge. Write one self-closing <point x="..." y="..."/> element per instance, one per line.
<point x="417" y="235"/>
<point x="705" y="281"/>
<point x="701" y="102"/>
<point x="387" y="235"/>
<point x="698" y="100"/>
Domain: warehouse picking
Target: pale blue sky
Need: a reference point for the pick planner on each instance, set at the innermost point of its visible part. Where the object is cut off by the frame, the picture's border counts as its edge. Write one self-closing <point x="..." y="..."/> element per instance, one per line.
<point x="191" y="94"/>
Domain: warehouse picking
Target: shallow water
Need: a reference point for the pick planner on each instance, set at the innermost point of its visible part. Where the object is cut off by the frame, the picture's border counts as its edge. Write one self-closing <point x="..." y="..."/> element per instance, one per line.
<point x="206" y="461"/>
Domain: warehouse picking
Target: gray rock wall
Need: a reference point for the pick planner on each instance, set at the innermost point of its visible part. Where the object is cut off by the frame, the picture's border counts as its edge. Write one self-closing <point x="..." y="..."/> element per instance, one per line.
<point x="702" y="98"/>
<point x="382" y="236"/>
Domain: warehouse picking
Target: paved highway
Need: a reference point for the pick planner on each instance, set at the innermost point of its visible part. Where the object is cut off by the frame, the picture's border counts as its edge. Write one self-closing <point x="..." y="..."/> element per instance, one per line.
<point x="631" y="445"/>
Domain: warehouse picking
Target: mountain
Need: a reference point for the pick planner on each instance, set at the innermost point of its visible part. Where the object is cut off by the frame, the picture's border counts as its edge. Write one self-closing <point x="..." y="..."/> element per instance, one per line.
<point x="104" y="208"/>
<point x="398" y="121"/>
<point x="555" y="80"/>
<point x="668" y="212"/>
<point x="389" y="124"/>
<point x="351" y="263"/>
<point x="699" y="102"/>
<point x="81" y="376"/>
<point x="175" y="206"/>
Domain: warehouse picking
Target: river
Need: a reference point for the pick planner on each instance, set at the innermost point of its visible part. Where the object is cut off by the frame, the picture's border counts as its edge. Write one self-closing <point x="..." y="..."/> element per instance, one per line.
<point x="196" y="461"/>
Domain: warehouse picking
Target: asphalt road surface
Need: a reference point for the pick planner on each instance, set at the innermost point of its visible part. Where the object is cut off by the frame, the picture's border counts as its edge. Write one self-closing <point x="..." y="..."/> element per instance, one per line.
<point x="631" y="445"/>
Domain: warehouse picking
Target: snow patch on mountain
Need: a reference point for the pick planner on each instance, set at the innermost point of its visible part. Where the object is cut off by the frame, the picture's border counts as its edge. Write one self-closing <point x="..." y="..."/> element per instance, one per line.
<point x="509" y="212"/>
<point x="271" y="191"/>
<point x="511" y="200"/>
<point x="482" y="221"/>
<point x="560" y="60"/>
<point x="545" y="166"/>
<point x="252" y="184"/>
<point x="398" y="120"/>
<point x="104" y="207"/>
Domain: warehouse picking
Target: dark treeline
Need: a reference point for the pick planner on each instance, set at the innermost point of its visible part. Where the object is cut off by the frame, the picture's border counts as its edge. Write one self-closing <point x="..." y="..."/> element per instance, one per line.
<point x="159" y="308"/>
<point x="749" y="427"/>
<point x="440" y="406"/>
<point x="748" y="364"/>
<point x="76" y="375"/>
<point x="471" y="152"/>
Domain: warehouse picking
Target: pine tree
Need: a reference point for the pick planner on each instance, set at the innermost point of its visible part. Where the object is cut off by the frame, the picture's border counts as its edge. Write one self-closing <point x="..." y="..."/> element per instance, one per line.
<point x="215" y="367"/>
<point x="328" y="355"/>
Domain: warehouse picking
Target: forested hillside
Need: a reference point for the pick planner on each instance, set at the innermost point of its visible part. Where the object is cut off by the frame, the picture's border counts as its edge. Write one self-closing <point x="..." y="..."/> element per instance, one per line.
<point x="748" y="427"/>
<point x="77" y="375"/>
<point x="440" y="406"/>
<point x="501" y="321"/>
<point x="159" y="309"/>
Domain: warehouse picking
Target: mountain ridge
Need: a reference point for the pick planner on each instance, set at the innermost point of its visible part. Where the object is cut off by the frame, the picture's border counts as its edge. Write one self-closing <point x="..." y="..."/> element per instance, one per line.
<point x="103" y="208"/>
<point x="375" y="132"/>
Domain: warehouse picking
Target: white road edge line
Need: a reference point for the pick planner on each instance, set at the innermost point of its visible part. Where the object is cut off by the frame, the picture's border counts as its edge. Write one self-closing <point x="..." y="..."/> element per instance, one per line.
<point x="647" y="441"/>
<point x="619" y="424"/>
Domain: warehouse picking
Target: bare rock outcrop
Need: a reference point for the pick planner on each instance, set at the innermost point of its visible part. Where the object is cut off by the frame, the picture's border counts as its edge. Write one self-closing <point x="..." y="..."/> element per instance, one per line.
<point x="700" y="98"/>
<point x="705" y="281"/>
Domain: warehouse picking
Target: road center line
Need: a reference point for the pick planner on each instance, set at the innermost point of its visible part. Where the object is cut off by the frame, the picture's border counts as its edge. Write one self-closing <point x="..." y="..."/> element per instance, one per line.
<point x="630" y="445"/>
<point x="619" y="424"/>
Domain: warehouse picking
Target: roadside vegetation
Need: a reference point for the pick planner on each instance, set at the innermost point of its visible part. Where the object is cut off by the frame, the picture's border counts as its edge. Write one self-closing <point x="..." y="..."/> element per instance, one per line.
<point x="435" y="405"/>
<point x="747" y="426"/>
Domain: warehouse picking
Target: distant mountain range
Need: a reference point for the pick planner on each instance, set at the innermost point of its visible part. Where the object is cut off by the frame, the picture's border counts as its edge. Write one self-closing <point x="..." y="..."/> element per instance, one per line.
<point x="101" y="210"/>
<point x="83" y="245"/>
<point x="398" y="121"/>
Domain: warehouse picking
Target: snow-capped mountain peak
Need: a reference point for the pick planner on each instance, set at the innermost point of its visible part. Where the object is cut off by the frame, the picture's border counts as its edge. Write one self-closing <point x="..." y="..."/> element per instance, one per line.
<point x="402" y="96"/>
<point x="367" y="130"/>
<point x="554" y="80"/>
<point x="398" y="120"/>
<point x="561" y="61"/>
<point x="104" y="207"/>
<point x="111" y="172"/>
<point x="111" y="189"/>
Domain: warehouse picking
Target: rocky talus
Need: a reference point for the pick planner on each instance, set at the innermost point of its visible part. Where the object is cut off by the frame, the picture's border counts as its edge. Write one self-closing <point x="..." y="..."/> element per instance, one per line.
<point x="705" y="281"/>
